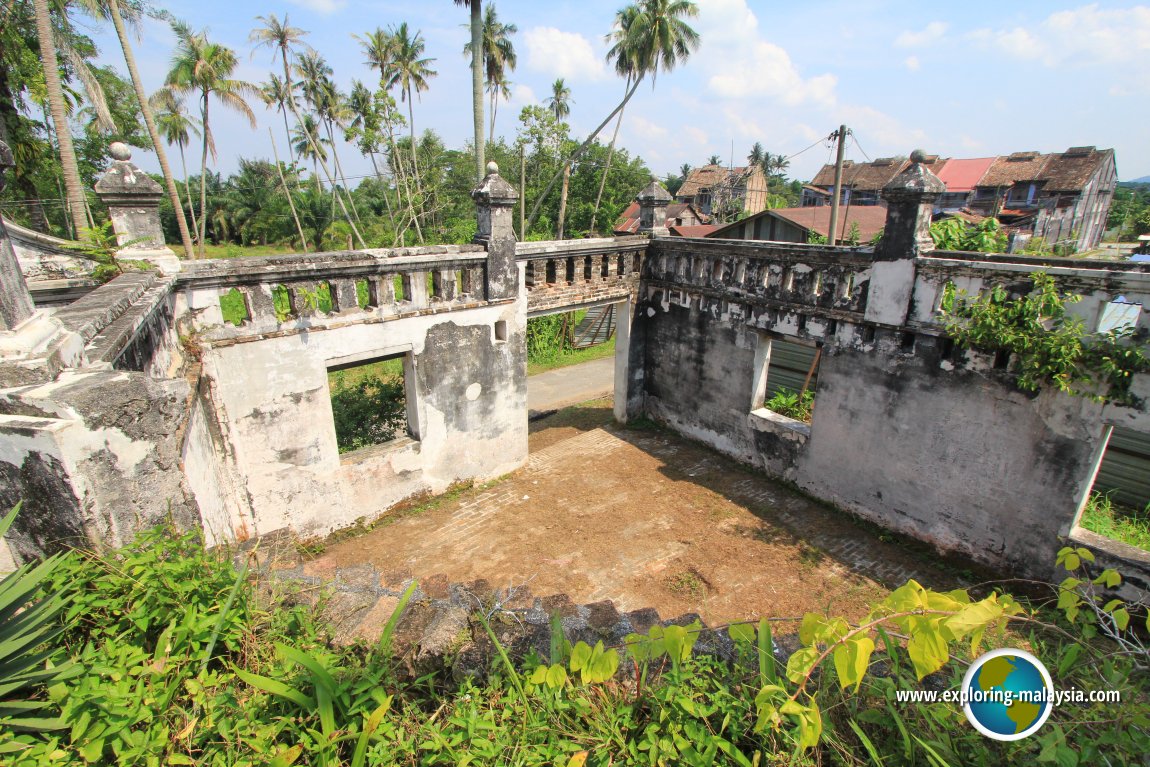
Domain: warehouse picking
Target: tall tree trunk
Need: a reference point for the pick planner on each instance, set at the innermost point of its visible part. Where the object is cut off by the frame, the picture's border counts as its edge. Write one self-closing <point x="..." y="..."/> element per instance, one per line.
<point x="339" y="171"/>
<point x="287" y="191"/>
<point x="188" y="190"/>
<point x="606" y="170"/>
<point x="477" y="85"/>
<point x="580" y="150"/>
<point x="204" y="177"/>
<point x="287" y="137"/>
<point x="150" y="121"/>
<point x="414" y="154"/>
<point x="494" y="109"/>
<point x="563" y="200"/>
<point x="315" y="148"/>
<point x="386" y="196"/>
<point x="72" y="184"/>
<point x="397" y="165"/>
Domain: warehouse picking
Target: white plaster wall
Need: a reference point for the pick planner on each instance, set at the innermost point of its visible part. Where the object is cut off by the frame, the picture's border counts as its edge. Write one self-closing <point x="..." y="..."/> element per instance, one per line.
<point x="208" y="479"/>
<point x="271" y="396"/>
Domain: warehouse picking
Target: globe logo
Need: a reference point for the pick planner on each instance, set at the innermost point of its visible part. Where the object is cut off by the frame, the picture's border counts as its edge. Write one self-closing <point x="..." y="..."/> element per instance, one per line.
<point x="1008" y="694"/>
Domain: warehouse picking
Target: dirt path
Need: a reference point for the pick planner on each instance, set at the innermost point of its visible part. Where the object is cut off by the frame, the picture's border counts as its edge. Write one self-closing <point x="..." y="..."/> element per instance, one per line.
<point x="646" y="519"/>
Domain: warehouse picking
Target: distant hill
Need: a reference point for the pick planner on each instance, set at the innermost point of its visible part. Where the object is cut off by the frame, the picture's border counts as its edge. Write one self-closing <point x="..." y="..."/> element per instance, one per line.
<point x="1131" y="182"/>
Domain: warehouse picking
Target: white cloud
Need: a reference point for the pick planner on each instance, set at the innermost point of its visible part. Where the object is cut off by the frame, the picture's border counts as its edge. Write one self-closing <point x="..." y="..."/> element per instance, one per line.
<point x="563" y="54"/>
<point x="742" y="63"/>
<point x="644" y="128"/>
<point x="932" y="33"/>
<point x="522" y="95"/>
<point x="1082" y="36"/>
<point x="697" y="135"/>
<point x="324" y="7"/>
<point x="912" y="63"/>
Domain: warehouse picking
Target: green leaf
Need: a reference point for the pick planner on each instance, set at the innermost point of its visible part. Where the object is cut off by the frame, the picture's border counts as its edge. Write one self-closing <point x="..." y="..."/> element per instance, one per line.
<point x="741" y="633"/>
<point x="556" y="676"/>
<point x="851" y="660"/>
<point x="872" y="752"/>
<point x="927" y="649"/>
<point x="276" y="687"/>
<point x="1122" y="618"/>
<point x="801" y="662"/>
<point x="287" y="758"/>
<point x="1109" y="578"/>
<point x="767" y="672"/>
<point x="974" y="616"/>
<point x="580" y="656"/>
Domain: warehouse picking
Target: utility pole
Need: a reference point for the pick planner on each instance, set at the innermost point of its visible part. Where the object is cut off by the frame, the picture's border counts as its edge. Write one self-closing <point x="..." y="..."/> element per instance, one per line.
<point x="522" y="194"/>
<point x="841" y="135"/>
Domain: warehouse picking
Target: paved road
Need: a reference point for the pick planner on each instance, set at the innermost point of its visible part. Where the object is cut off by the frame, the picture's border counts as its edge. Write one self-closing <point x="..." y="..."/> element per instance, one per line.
<point x="570" y="385"/>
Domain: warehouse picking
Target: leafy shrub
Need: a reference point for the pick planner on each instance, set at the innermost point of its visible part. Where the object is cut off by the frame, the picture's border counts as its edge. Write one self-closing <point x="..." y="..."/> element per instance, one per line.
<point x="1049" y="345"/>
<point x="1113" y="520"/>
<point x="370" y="411"/>
<point x="181" y="666"/>
<point x="955" y="234"/>
<point x="793" y="404"/>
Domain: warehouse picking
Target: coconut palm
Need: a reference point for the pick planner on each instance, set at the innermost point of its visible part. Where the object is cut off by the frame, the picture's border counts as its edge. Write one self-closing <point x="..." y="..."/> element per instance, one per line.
<point x="757" y="156"/>
<point x="477" y="51"/>
<point x="73" y="188"/>
<point x="714" y="160"/>
<point x="275" y="93"/>
<point x="626" y="55"/>
<point x="205" y="68"/>
<point x="498" y="59"/>
<point x="308" y="144"/>
<point x="175" y="127"/>
<point x="410" y="71"/>
<point x="559" y="102"/>
<point x="321" y="93"/>
<point x="658" y="38"/>
<point x="283" y="38"/>
<point x="379" y="47"/>
<point x="113" y="8"/>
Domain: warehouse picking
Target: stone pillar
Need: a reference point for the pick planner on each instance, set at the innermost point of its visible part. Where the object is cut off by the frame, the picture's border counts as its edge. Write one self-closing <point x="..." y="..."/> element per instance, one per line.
<point x="133" y="201"/>
<point x="494" y="205"/>
<point x="910" y="200"/>
<point x="653" y="202"/>
<point x="15" y="300"/>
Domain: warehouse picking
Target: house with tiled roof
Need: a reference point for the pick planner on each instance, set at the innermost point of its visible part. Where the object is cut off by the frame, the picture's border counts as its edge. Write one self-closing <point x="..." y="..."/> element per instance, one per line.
<point x="680" y="216"/>
<point x="857" y="225"/>
<point x="725" y="193"/>
<point x="1062" y="197"/>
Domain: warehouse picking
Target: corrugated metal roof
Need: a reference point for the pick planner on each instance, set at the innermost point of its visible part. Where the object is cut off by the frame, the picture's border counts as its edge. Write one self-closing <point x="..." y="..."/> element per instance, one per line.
<point x="700" y="230"/>
<point x="870" y="219"/>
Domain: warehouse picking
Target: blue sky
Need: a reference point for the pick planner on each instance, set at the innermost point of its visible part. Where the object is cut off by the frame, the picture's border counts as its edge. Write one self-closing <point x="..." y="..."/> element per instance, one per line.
<point x="968" y="79"/>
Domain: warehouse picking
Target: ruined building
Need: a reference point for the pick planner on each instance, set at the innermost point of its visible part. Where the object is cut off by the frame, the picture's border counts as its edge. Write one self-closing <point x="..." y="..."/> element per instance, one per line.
<point x="200" y="390"/>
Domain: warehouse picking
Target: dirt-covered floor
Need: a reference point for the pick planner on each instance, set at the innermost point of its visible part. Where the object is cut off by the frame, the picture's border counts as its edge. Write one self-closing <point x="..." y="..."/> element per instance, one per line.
<point x="645" y="518"/>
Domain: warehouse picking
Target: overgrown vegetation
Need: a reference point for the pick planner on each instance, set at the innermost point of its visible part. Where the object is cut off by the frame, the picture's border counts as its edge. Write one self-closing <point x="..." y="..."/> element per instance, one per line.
<point x="1046" y="344"/>
<point x="1113" y="520"/>
<point x="956" y="234"/>
<point x="793" y="404"/>
<point x="549" y="343"/>
<point x="178" y="661"/>
<point x="369" y="404"/>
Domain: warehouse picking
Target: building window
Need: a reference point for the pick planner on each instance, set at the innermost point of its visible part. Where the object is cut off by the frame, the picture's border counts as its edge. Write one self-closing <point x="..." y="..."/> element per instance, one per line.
<point x="786" y="374"/>
<point x="372" y="402"/>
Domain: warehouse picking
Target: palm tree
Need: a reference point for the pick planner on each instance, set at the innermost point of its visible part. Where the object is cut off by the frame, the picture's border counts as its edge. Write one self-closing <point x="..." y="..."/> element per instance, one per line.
<point x="659" y="38"/>
<point x="757" y="156"/>
<point x="379" y="47"/>
<point x="74" y="189"/>
<point x="283" y="37"/>
<point x="306" y="146"/>
<point x="627" y="58"/>
<point x="275" y="93"/>
<point x="176" y="127"/>
<point x="321" y="93"/>
<point x="410" y="71"/>
<point x="205" y="69"/>
<point x="498" y="59"/>
<point x="477" y="51"/>
<point x="559" y="102"/>
<point x="714" y="160"/>
<point x="150" y="122"/>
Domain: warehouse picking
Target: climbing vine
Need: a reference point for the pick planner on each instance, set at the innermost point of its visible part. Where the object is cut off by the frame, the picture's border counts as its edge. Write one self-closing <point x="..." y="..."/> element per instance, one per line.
<point x="1048" y="346"/>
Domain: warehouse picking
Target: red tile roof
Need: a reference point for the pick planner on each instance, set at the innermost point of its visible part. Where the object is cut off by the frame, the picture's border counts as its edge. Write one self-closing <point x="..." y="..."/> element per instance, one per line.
<point x="701" y="230"/>
<point x="963" y="175"/>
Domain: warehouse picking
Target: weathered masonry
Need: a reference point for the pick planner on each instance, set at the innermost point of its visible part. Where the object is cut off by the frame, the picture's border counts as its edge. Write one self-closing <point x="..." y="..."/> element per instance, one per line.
<point x="203" y="393"/>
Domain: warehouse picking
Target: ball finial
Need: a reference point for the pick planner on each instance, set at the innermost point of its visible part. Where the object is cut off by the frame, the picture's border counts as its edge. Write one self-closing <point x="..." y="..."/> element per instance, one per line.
<point x="918" y="155"/>
<point x="492" y="168"/>
<point x="120" y="151"/>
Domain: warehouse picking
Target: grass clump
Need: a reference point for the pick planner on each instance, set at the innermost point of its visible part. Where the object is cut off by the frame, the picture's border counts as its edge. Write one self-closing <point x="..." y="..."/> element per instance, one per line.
<point x="1113" y="520"/>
